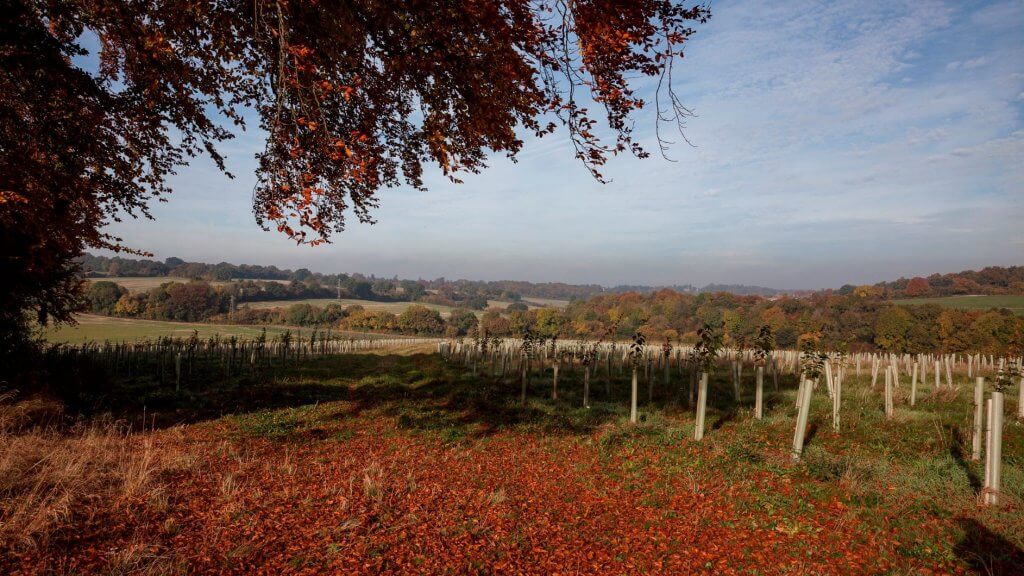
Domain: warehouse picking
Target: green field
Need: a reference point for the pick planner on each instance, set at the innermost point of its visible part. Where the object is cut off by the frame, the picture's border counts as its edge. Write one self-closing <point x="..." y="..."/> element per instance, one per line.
<point x="140" y="283"/>
<point x="544" y="302"/>
<point x="393" y="307"/>
<point x="92" y="327"/>
<point x="1013" y="303"/>
<point x="144" y="283"/>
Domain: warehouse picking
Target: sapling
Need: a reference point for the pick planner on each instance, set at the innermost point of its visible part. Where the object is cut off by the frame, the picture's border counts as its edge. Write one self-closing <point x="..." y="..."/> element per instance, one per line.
<point x="480" y="343"/>
<point x="177" y="372"/>
<point x="737" y="368"/>
<point x="609" y="333"/>
<point x="286" y="342"/>
<point x="555" y="354"/>
<point x="764" y="343"/>
<point x="528" y="348"/>
<point x="495" y="349"/>
<point x="705" y="352"/>
<point x="636" y="355"/>
<point x="666" y="356"/>
<point x="587" y="359"/>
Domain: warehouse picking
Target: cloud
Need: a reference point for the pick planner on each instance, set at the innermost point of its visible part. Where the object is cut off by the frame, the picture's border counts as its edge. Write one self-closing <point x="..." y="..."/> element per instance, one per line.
<point x="836" y="142"/>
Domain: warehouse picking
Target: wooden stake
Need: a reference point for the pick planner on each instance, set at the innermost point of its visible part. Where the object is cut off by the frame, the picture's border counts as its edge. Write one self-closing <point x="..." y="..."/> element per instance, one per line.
<point x="702" y="403"/>
<point x="913" y="386"/>
<point x="632" y="400"/>
<point x="759" y="394"/>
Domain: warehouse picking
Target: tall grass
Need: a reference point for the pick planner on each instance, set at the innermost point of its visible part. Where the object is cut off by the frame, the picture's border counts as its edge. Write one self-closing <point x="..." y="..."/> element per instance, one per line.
<point x="53" y="473"/>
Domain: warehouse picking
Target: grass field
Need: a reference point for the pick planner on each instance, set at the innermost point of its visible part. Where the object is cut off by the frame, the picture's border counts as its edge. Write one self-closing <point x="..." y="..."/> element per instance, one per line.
<point x="1013" y="303"/>
<point x="393" y="307"/>
<point x="97" y="328"/>
<point x="545" y="302"/>
<point x="385" y="464"/>
<point x="144" y="283"/>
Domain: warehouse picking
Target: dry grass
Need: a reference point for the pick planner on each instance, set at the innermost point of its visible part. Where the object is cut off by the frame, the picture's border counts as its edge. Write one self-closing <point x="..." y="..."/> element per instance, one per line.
<point x="52" y="474"/>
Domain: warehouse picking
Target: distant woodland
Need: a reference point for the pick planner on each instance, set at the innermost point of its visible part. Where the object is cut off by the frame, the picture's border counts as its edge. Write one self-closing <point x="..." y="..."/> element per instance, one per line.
<point x="852" y="318"/>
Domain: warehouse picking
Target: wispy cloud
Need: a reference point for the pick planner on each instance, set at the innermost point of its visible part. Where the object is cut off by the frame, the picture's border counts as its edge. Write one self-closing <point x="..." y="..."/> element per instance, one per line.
<point x="835" y="142"/>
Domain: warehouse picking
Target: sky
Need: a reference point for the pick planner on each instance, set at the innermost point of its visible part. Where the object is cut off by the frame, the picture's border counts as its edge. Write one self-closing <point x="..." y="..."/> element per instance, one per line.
<point x="835" y="143"/>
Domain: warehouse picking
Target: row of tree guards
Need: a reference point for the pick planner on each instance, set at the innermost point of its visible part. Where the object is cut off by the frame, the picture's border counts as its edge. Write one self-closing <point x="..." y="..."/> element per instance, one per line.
<point x="178" y="360"/>
<point x="531" y="355"/>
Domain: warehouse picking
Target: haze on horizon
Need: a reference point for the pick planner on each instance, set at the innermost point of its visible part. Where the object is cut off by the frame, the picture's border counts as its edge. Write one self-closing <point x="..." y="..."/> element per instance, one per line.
<point x="840" y="142"/>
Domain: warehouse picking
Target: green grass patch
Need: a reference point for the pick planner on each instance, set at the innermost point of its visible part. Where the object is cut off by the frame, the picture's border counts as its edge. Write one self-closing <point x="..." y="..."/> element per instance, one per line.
<point x="1012" y="303"/>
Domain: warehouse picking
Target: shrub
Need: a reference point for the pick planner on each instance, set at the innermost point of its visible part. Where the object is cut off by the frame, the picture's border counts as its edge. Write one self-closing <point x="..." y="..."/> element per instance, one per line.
<point x="420" y="320"/>
<point x="462" y="321"/>
<point x="103" y="296"/>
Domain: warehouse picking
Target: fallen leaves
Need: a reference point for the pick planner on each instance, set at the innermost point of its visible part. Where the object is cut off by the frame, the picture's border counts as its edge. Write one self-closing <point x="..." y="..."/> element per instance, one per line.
<point x="384" y="502"/>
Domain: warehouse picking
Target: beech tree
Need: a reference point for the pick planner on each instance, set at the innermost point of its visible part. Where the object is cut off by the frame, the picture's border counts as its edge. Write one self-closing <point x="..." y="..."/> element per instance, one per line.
<point x="353" y="96"/>
<point x="917" y="287"/>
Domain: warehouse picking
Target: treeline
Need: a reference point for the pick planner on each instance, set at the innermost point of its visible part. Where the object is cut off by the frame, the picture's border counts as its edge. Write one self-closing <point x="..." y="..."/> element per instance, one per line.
<point x="305" y="283"/>
<point x="416" y="319"/>
<point x="117" y="266"/>
<point x="860" y="321"/>
<point x="992" y="280"/>
<point x="464" y="293"/>
<point x="200" y="301"/>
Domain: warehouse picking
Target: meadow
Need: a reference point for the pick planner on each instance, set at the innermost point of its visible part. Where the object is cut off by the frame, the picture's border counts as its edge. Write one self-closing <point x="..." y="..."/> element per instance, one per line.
<point x="395" y="307"/>
<point x="1012" y="303"/>
<point x="144" y="283"/>
<point x="392" y="307"/>
<point x="397" y="463"/>
<point x="96" y="328"/>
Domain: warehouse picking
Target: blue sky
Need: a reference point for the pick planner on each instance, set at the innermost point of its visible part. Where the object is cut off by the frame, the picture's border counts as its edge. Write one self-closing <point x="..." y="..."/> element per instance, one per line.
<point x="836" y="142"/>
